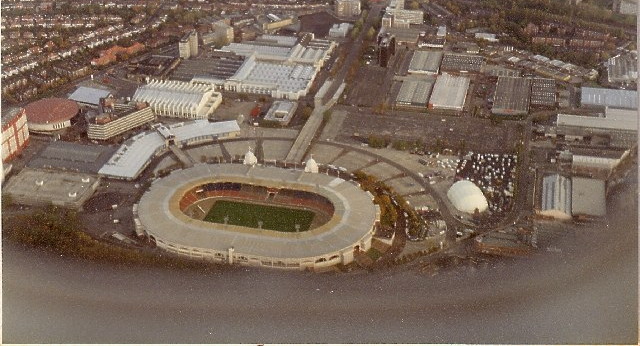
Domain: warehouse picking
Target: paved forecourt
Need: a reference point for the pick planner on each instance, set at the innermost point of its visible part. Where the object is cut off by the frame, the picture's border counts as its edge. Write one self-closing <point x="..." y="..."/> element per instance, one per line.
<point x="349" y="230"/>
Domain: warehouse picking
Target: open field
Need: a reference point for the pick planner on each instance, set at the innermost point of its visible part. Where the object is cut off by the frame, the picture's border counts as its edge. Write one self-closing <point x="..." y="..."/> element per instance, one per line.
<point x="274" y="218"/>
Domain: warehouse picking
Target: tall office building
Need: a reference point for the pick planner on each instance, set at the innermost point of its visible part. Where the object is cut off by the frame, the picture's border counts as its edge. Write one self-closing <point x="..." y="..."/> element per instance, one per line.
<point x="347" y="8"/>
<point x="188" y="45"/>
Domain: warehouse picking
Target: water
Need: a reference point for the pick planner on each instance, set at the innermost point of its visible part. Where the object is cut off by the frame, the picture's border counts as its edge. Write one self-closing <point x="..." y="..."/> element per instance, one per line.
<point x="586" y="294"/>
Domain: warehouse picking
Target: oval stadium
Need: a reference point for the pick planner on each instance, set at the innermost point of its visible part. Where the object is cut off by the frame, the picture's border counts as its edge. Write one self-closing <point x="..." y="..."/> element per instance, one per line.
<point x="258" y="216"/>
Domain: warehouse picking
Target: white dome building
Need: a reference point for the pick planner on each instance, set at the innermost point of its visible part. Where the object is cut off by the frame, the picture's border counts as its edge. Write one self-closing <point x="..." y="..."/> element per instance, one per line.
<point x="250" y="159"/>
<point x="311" y="166"/>
<point x="467" y="197"/>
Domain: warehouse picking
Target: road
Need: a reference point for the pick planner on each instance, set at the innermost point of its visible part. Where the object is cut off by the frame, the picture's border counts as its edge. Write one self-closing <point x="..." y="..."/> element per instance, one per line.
<point x="586" y="294"/>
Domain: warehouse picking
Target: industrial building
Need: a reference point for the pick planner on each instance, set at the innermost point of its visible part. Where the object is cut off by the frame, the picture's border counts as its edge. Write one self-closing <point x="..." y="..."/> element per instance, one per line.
<point x="188" y="45"/>
<point x="467" y="197"/>
<point x="543" y="92"/>
<point x="462" y="63"/>
<point x="616" y="98"/>
<point x="50" y="114"/>
<point x="218" y="66"/>
<point x="135" y="154"/>
<point x="347" y="8"/>
<point x="622" y="69"/>
<point x="15" y="132"/>
<point x="425" y="62"/>
<point x="511" y="96"/>
<point x="449" y="92"/>
<point x="72" y="157"/>
<point x="41" y="188"/>
<point x="403" y="36"/>
<point x="414" y="94"/>
<point x="618" y="127"/>
<point x="177" y="99"/>
<point x="588" y="197"/>
<point x="117" y="118"/>
<point x="556" y="197"/>
<point x="596" y="162"/>
<point x="89" y="97"/>
<point x="281" y="111"/>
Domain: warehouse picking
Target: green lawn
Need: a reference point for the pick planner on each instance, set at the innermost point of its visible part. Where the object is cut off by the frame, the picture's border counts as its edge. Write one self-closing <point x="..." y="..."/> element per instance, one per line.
<point x="273" y="218"/>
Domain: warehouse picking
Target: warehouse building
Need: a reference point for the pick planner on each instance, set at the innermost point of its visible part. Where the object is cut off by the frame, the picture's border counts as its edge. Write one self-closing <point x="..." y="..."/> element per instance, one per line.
<point x="556" y="197"/>
<point x="602" y="98"/>
<point x="218" y="66"/>
<point x="543" y="92"/>
<point x="462" y="63"/>
<point x="50" y="114"/>
<point x="588" y="197"/>
<point x="425" y="62"/>
<point x="618" y="127"/>
<point x="41" y="188"/>
<point x="118" y="118"/>
<point x="511" y="96"/>
<point x="281" y="111"/>
<point x="340" y="30"/>
<point x="596" y="162"/>
<point x="15" y="132"/>
<point x="414" y="94"/>
<point x="449" y="92"/>
<point x="177" y="99"/>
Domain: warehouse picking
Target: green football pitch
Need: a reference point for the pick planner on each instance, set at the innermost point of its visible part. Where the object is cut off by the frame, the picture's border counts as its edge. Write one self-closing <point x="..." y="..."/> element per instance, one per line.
<point x="273" y="218"/>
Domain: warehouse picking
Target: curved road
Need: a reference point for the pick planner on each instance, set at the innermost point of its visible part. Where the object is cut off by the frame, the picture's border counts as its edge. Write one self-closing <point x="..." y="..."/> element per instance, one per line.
<point x="586" y="294"/>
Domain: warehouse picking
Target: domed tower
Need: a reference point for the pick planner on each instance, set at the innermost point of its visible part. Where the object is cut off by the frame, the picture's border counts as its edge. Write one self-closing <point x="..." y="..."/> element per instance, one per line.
<point x="250" y="159"/>
<point x="311" y="166"/>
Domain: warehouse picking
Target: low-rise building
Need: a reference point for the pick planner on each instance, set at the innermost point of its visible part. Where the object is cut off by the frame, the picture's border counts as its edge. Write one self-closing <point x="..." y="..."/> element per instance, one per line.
<point x="556" y="197"/>
<point x="449" y="92"/>
<point x="511" y="96"/>
<point x="347" y="8"/>
<point x="414" y="94"/>
<point x="281" y="111"/>
<point x="425" y="62"/>
<point x="588" y="197"/>
<point x="462" y="63"/>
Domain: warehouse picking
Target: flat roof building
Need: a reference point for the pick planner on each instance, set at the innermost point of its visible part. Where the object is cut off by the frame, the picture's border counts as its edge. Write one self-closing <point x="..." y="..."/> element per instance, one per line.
<point x="622" y="69"/>
<point x="281" y="111"/>
<point x="414" y="94"/>
<point x="177" y="99"/>
<point x="543" y="92"/>
<point x="462" y="63"/>
<point x="511" y="96"/>
<point x="588" y="197"/>
<point x="220" y="66"/>
<point x="425" y="62"/>
<point x="449" y="92"/>
<point x="601" y="97"/>
<point x="619" y="126"/>
<point x="347" y="8"/>
<point x="72" y="157"/>
<point x="40" y="188"/>
<point x="556" y="197"/>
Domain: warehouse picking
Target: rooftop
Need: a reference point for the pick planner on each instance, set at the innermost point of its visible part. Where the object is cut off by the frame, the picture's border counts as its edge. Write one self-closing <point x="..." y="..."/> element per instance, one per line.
<point x="425" y="62"/>
<point x="588" y="197"/>
<point x="51" y="110"/>
<point x="414" y="93"/>
<point x="512" y="95"/>
<point x="72" y="157"/>
<point x="609" y="98"/>
<point x="88" y="95"/>
<point x="449" y="92"/>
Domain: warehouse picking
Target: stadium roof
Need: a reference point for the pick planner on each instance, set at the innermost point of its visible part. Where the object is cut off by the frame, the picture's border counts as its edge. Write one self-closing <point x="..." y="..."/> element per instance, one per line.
<point x="352" y="221"/>
<point x="134" y="155"/>
<point x="425" y="62"/>
<point x="88" y="95"/>
<point x="588" y="197"/>
<point x="449" y="92"/>
<point x="467" y="197"/>
<point x="609" y="98"/>
<point x="51" y="110"/>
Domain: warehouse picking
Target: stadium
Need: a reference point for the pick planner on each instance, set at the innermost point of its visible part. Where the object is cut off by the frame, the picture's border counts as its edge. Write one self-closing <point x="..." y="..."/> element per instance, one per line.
<point x="258" y="216"/>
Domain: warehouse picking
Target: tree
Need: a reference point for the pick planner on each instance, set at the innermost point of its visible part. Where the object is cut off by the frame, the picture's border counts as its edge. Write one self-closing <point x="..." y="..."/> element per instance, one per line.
<point x="414" y="5"/>
<point x="370" y="34"/>
<point x="306" y="112"/>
